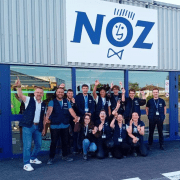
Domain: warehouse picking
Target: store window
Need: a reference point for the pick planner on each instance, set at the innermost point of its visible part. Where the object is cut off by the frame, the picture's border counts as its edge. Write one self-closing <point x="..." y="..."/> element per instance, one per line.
<point x="146" y="80"/>
<point x="105" y="77"/>
<point x="31" y="76"/>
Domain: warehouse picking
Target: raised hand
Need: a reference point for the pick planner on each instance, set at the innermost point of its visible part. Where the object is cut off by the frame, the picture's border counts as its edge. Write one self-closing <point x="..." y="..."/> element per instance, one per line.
<point x="73" y="100"/>
<point x="112" y="85"/>
<point x="97" y="82"/>
<point x="18" y="82"/>
<point x="123" y="91"/>
<point x="120" y="83"/>
<point x="62" y="85"/>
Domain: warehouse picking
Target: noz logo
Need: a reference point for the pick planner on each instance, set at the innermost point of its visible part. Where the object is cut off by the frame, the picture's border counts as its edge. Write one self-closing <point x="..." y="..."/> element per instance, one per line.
<point x="114" y="31"/>
<point x="119" y="30"/>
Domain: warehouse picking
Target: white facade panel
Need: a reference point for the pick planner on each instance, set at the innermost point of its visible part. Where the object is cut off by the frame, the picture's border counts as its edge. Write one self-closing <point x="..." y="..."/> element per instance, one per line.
<point x="33" y="32"/>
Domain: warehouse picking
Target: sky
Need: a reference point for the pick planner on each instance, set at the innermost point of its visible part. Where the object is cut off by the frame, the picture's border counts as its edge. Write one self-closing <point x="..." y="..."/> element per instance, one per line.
<point x="177" y="2"/>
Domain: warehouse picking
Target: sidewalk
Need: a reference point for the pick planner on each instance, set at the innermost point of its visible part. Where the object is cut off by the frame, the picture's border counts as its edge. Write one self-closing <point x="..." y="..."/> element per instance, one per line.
<point x="146" y="168"/>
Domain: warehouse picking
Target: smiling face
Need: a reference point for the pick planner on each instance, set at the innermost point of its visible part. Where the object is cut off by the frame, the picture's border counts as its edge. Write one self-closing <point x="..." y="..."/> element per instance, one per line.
<point x="135" y="117"/>
<point x="103" y="93"/>
<point x="131" y="94"/>
<point x="38" y="94"/>
<point x="116" y="91"/>
<point x="60" y="93"/>
<point x="102" y="115"/>
<point x="120" y="118"/>
<point x="119" y="31"/>
<point x="85" y="90"/>
<point x="70" y="94"/>
<point x="86" y="120"/>
<point x="155" y="94"/>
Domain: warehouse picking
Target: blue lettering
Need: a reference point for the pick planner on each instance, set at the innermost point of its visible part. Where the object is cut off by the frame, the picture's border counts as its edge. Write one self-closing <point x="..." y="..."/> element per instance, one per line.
<point x="139" y="43"/>
<point x="109" y="34"/>
<point x="82" y="20"/>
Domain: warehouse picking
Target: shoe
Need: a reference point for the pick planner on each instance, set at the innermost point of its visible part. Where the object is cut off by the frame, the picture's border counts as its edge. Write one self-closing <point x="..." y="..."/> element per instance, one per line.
<point x="134" y="154"/>
<point x="85" y="157"/>
<point x="110" y="155"/>
<point x="35" y="161"/>
<point x="28" y="167"/>
<point x="50" y="161"/>
<point x="162" y="147"/>
<point x="124" y="156"/>
<point x="66" y="158"/>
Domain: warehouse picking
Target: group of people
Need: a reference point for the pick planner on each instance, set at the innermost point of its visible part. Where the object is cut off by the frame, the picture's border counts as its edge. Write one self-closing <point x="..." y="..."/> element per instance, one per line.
<point x="103" y="125"/>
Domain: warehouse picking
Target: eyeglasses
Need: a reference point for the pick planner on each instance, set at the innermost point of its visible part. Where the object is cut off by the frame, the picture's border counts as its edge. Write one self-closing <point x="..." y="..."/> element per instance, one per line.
<point x="103" y="113"/>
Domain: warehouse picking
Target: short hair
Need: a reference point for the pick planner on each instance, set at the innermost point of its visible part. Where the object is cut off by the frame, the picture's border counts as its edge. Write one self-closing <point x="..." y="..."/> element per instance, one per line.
<point x="102" y="88"/>
<point x="132" y="90"/>
<point x="102" y="110"/>
<point x="69" y="90"/>
<point x="85" y="85"/>
<point x="38" y="87"/>
<point x="116" y="87"/>
<point x="155" y="89"/>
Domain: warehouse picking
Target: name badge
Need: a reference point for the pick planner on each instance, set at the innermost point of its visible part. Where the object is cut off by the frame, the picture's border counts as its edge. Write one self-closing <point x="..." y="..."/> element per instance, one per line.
<point x="90" y="130"/>
<point x="104" y="136"/>
<point x="120" y="139"/>
<point x="86" y="110"/>
<point x="157" y="113"/>
<point x="135" y="130"/>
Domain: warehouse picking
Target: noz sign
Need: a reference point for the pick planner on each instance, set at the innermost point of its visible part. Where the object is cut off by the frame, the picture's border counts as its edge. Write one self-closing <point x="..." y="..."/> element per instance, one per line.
<point x="110" y="33"/>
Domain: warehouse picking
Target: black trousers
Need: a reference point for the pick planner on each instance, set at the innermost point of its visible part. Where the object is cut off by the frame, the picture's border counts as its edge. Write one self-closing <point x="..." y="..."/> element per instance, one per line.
<point x="55" y="135"/>
<point x="103" y="147"/>
<point x="121" y="150"/>
<point x="152" y="125"/>
<point x="140" y="147"/>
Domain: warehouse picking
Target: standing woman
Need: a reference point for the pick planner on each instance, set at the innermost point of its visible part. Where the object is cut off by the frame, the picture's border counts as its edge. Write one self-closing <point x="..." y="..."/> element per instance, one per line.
<point x="104" y="141"/>
<point x="136" y="133"/>
<point x="87" y="131"/>
<point x="121" y="148"/>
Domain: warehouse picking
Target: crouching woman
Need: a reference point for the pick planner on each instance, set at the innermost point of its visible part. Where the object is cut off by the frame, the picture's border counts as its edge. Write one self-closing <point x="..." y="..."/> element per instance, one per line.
<point x="136" y="133"/>
<point x="87" y="133"/>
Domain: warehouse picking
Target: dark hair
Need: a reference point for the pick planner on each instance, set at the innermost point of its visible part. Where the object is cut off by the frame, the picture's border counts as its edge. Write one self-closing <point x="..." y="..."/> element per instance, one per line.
<point x="85" y="85"/>
<point x="155" y="89"/>
<point x="102" y="110"/>
<point x="132" y="90"/>
<point x="57" y="89"/>
<point x="115" y="87"/>
<point x="102" y="88"/>
<point x="69" y="90"/>
<point x="89" y="118"/>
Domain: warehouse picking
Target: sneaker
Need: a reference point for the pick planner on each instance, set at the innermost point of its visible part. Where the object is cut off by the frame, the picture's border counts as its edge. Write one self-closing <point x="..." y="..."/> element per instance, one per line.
<point x="35" y="161"/>
<point x="85" y="157"/>
<point x="162" y="147"/>
<point x="110" y="155"/>
<point x="50" y="161"/>
<point x="134" y="154"/>
<point x="28" y="167"/>
<point x="66" y="158"/>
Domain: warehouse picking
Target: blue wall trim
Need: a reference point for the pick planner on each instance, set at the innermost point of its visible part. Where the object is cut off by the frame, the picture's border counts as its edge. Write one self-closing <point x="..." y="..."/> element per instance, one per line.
<point x="5" y="107"/>
<point x="73" y="75"/>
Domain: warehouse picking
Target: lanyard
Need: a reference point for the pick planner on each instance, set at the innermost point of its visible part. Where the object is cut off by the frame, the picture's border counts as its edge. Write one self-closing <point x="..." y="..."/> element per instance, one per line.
<point x="156" y="104"/>
<point x="103" y="102"/>
<point x="86" y="128"/>
<point x="103" y="129"/>
<point x="120" y="130"/>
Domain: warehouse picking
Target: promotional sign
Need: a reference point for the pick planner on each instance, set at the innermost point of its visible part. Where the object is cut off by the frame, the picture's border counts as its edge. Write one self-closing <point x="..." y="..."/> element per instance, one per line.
<point x="111" y="33"/>
<point x="167" y="86"/>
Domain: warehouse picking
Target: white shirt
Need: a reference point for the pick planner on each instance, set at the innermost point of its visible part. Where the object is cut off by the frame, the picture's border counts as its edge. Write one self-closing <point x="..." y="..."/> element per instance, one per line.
<point x="104" y="101"/>
<point x="37" y="111"/>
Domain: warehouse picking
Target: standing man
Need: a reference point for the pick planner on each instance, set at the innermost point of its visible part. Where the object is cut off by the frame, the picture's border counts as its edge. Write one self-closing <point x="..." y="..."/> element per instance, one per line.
<point x="58" y="117"/>
<point x="32" y="123"/>
<point x="133" y="104"/>
<point x="71" y="100"/>
<point x="116" y="96"/>
<point x="85" y="102"/>
<point x="102" y="102"/>
<point x="156" y="112"/>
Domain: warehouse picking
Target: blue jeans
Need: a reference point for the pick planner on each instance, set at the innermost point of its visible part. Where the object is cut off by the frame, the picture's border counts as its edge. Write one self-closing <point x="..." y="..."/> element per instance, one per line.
<point x="88" y="146"/>
<point x="28" y="135"/>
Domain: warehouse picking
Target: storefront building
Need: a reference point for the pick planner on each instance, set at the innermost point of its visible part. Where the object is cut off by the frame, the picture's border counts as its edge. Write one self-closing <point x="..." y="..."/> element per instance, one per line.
<point x="45" y="44"/>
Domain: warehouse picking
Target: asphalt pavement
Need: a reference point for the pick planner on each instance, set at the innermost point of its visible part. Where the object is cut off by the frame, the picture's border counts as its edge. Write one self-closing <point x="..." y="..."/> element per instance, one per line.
<point x="142" y="168"/>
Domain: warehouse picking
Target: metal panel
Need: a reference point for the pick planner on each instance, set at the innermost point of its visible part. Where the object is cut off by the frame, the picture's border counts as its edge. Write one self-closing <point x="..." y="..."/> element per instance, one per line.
<point x="33" y="32"/>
